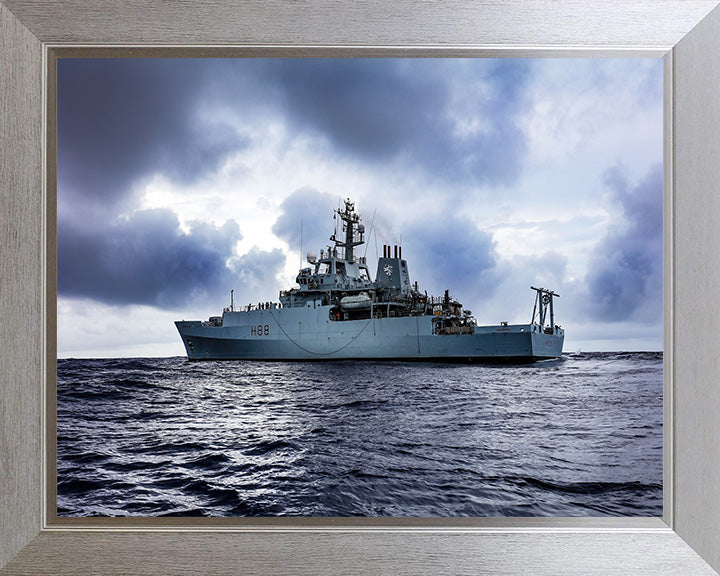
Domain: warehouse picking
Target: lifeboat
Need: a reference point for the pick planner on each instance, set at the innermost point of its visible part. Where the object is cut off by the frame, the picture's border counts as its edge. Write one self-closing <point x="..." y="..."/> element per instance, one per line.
<point x="357" y="302"/>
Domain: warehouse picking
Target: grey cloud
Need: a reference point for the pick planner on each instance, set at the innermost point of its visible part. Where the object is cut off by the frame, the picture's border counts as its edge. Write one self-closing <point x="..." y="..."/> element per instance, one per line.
<point x="119" y="121"/>
<point x="146" y="259"/>
<point x="122" y="119"/>
<point x="365" y="106"/>
<point x="625" y="272"/>
<point x="449" y="252"/>
<point x="505" y="294"/>
<point x="546" y="269"/>
<point x="256" y="271"/>
<point x="387" y="111"/>
<point x="314" y="208"/>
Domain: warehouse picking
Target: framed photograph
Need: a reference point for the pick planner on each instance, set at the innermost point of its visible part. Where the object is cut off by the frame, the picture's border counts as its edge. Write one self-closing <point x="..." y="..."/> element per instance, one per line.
<point x="476" y="193"/>
<point x="504" y="546"/>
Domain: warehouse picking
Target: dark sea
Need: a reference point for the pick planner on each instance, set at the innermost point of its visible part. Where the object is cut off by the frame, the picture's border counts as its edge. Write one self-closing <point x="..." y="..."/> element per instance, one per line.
<point x="579" y="436"/>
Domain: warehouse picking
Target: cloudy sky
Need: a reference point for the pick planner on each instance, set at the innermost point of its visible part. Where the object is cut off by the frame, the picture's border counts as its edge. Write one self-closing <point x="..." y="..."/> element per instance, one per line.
<point x="179" y="180"/>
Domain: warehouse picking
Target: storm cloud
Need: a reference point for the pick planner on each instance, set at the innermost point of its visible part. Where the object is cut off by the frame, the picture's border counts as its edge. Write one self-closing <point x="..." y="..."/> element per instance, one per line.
<point x="147" y="259"/>
<point x="310" y="209"/>
<point x="120" y="120"/>
<point x="256" y="270"/>
<point x="453" y="119"/>
<point x="449" y="248"/>
<point x="625" y="271"/>
<point x="123" y="121"/>
<point x="485" y="170"/>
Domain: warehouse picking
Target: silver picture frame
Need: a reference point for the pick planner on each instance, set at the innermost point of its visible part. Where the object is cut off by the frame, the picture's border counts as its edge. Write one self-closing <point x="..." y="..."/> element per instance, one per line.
<point x="685" y="541"/>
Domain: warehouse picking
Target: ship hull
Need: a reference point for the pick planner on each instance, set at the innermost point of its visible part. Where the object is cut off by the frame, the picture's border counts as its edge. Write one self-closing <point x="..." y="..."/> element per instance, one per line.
<point x="307" y="333"/>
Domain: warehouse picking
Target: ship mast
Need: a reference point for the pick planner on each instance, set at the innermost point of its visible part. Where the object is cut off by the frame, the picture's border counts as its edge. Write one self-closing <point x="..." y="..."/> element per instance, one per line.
<point x="351" y="220"/>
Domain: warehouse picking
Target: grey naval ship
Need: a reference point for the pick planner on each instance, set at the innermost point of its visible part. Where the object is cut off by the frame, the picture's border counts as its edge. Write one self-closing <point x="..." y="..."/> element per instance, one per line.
<point x="338" y="312"/>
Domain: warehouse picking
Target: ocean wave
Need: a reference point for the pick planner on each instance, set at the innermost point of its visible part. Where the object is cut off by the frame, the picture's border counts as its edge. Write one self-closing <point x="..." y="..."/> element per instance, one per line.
<point x="168" y="437"/>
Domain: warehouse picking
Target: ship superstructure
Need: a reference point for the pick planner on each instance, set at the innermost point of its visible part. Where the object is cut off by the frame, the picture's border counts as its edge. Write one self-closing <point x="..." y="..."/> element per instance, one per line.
<point x="337" y="311"/>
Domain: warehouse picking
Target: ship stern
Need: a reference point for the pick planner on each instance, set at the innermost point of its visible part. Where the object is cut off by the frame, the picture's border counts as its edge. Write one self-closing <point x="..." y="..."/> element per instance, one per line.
<point x="546" y="346"/>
